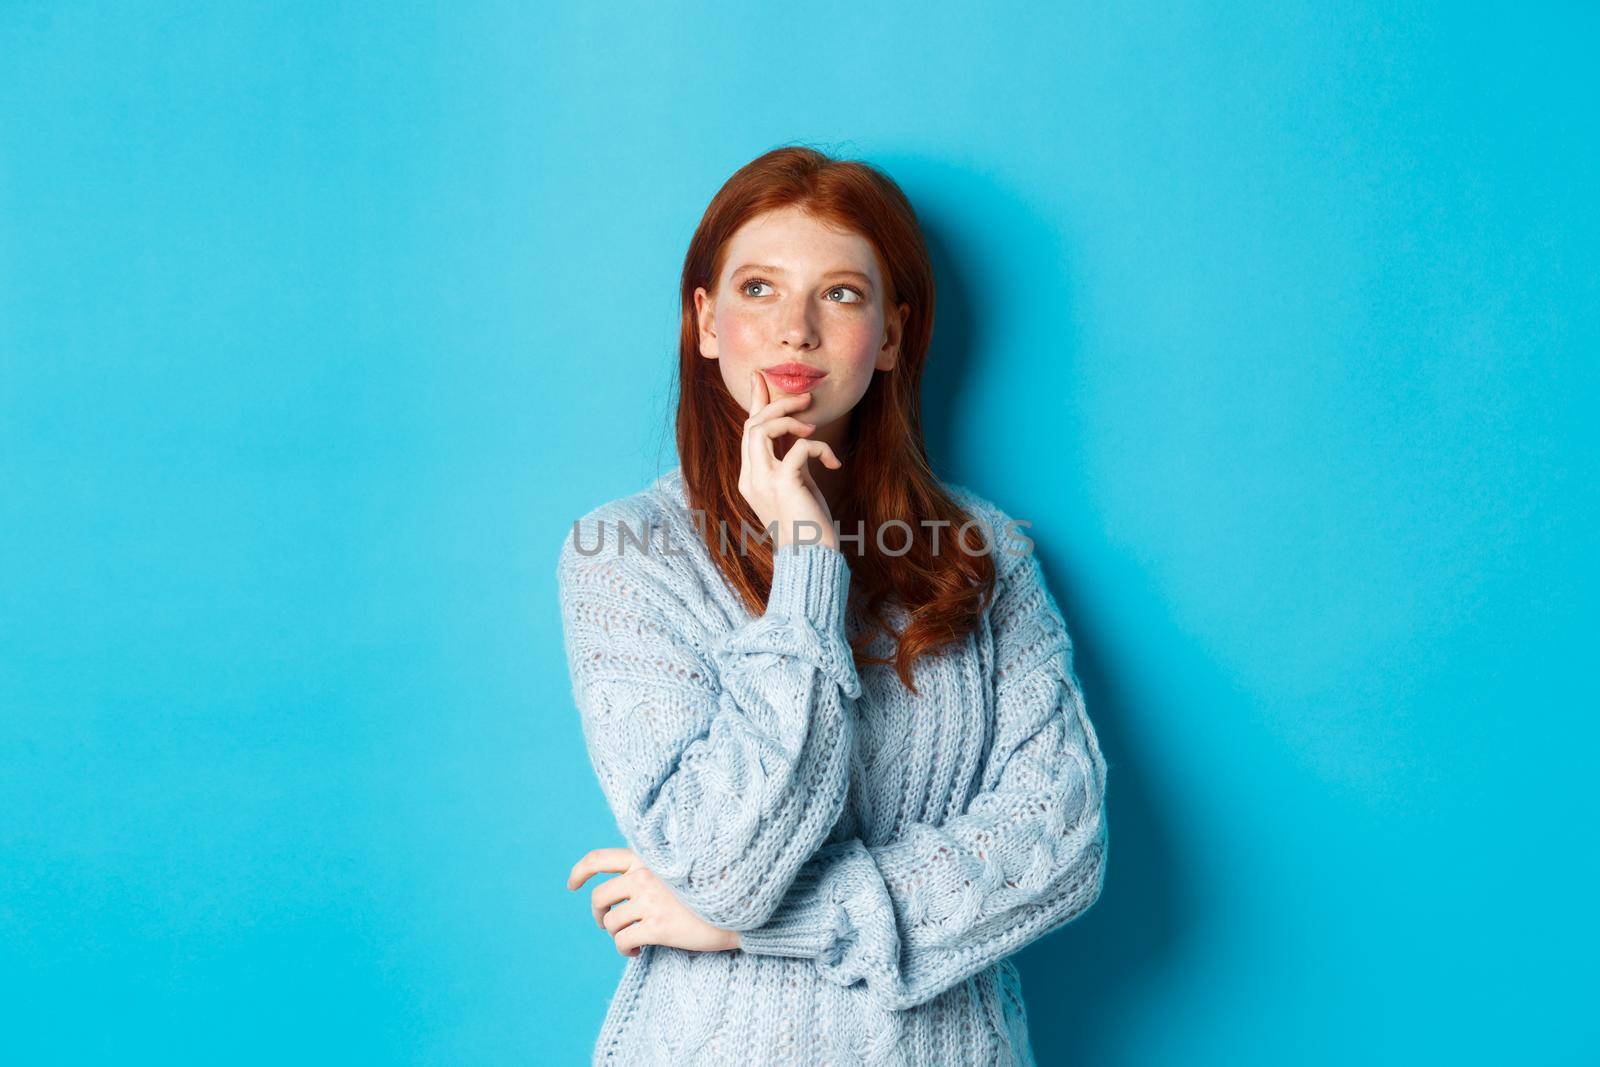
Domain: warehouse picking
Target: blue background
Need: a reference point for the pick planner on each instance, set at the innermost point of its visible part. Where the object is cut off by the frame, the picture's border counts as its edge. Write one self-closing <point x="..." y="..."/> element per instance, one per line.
<point x="320" y="326"/>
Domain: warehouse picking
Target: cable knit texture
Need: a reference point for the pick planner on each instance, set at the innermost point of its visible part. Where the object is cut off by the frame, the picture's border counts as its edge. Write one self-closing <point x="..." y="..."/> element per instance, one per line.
<point x="881" y="852"/>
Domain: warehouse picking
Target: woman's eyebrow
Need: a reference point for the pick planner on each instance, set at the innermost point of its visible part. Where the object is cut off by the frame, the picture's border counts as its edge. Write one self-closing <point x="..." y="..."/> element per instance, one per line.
<point x="779" y="270"/>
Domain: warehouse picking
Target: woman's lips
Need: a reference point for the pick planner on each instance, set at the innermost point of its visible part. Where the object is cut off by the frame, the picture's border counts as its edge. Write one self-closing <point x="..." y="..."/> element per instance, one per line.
<point x="792" y="379"/>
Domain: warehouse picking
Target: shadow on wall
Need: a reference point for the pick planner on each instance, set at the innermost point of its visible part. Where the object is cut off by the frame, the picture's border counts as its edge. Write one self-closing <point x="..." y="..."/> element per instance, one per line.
<point x="1075" y="979"/>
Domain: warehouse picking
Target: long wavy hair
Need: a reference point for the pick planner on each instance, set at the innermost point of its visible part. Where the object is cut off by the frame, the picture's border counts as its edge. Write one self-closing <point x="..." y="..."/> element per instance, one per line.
<point x="889" y="477"/>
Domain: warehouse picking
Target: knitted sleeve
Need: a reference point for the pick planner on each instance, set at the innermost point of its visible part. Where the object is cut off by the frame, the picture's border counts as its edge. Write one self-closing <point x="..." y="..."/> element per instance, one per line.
<point x="723" y="758"/>
<point x="915" y="916"/>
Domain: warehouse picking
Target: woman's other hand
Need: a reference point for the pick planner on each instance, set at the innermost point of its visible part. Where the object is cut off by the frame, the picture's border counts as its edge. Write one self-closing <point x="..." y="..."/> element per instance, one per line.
<point x="782" y="490"/>
<point x="636" y="908"/>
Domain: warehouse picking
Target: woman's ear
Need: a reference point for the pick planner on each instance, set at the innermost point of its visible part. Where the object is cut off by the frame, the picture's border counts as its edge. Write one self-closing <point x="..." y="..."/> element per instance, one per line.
<point x="894" y="326"/>
<point x="705" y="310"/>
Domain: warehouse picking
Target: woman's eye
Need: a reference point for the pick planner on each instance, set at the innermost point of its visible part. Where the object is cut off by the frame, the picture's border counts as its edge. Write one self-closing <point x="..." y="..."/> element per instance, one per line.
<point x="848" y="294"/>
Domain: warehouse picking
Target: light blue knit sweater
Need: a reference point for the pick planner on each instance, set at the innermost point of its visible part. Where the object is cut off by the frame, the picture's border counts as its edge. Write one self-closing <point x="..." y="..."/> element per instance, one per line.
<point x="882" y="853"/>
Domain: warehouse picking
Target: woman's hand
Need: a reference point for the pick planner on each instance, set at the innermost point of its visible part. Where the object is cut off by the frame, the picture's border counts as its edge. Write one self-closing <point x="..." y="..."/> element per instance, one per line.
<point x="648" y="913"/>
<point x="782" y="490"/>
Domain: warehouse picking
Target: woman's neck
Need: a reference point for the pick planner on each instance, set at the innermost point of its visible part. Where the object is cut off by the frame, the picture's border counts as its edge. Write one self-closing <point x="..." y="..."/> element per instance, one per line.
<point x="832" y="483"/>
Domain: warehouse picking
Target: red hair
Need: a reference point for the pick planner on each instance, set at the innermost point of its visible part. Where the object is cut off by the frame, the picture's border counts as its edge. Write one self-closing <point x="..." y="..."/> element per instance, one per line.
<point x="886" y="459"/>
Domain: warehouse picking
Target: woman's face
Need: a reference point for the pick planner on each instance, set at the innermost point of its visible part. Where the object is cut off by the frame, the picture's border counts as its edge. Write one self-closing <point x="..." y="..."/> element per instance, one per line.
<point x="795" y="290"/>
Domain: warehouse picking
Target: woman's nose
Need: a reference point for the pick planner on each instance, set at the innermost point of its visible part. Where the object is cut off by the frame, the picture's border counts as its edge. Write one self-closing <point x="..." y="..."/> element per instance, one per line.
<point x="798" y="329"/>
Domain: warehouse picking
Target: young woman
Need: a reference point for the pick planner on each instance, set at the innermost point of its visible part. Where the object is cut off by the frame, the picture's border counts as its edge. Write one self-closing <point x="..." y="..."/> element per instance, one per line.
<point x="850" y="760"/>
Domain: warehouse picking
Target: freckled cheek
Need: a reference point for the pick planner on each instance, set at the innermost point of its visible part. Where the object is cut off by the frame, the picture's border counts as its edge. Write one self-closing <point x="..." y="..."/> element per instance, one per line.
<point x="857" y="347"/>
<point x="742" y="334"/>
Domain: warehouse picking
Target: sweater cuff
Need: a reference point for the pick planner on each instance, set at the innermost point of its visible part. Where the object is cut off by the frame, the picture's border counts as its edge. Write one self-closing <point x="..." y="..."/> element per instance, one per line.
<point x="808" y="922"/>
<point x="810" y="582"/>
<point x="804" y="924"/>
<point x="836" y="905"/>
